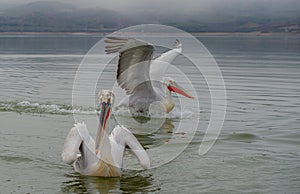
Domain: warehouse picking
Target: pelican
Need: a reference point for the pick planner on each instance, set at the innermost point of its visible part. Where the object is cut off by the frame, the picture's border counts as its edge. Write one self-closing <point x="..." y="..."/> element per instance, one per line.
<point x="104" y="156"/>
<point x="135" y="73"/>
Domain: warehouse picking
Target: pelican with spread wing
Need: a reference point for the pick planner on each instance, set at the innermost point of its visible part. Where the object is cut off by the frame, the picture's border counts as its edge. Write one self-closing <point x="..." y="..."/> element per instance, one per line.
<point x="104" y="155"/>
<point x="138" y="75"/>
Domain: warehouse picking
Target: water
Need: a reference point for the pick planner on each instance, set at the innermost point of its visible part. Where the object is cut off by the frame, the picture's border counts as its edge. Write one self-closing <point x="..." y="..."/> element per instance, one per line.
<point x="256" y="152"/>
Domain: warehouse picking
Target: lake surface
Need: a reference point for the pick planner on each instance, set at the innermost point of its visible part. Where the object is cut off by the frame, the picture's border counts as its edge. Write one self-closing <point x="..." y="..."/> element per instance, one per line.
<point x="256" y="152"/>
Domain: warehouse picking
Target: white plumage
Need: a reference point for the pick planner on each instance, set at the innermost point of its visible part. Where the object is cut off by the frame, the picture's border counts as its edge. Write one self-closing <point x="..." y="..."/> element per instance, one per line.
<point x="81" y="150"/>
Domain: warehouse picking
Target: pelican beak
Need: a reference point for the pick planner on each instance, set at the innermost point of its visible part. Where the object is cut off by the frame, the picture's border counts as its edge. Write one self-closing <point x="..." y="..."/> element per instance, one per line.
<point x="174" y="87"/>
<point x="104" y="115"/>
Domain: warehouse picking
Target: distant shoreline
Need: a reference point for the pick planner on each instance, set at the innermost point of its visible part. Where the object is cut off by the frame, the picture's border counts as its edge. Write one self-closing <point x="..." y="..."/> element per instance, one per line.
<point x="193" y="33"/>
<point x="245" y="34"/>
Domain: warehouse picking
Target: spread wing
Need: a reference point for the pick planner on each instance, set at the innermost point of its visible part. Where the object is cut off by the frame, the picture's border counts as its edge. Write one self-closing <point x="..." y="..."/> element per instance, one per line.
<point x="134" y="63"/>
<point x="160" y="65"/>
<point x="79" y="141"/>
<point x="122" y="134"/>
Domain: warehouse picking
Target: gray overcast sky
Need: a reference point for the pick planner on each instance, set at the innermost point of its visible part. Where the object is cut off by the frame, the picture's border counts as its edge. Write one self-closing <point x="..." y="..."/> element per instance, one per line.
<point x="174" y="5"/>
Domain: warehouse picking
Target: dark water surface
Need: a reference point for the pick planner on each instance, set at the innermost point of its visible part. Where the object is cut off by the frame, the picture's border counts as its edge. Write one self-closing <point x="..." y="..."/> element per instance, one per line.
<point x="256" y="152"/>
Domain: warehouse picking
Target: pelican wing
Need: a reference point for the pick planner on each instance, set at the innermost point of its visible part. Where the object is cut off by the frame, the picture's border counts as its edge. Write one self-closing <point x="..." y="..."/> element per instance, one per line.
<point x="123" y="136"/>
<point x="138" y="151"/>
<point x="77" y="138"/>
<point x="134" y="62"/>
<point x="170" y="55"/>
<point x="71" y="146"/>
<point x="160" y="65"/>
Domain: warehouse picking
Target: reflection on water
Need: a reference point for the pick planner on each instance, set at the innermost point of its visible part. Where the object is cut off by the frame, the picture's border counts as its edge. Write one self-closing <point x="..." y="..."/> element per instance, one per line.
<point x="130" y="182"/>
<point x="243" y="137"/>
<point x="160" y="137"/>
<point x="85" y="184"/>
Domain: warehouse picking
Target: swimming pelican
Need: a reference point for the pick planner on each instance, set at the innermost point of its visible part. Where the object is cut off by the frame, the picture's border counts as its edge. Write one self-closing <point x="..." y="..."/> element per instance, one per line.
<point x="104" y="156"/>
<point x="137" y="74"/>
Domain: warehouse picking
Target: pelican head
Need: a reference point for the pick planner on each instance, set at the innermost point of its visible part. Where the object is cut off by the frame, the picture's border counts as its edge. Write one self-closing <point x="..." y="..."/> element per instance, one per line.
<point x="172" y="86"/>
<point x="106" y="100"/>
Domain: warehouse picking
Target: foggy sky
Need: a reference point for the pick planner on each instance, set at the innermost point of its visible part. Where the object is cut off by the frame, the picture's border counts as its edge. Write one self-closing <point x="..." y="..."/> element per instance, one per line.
<point x="185" y="6"/>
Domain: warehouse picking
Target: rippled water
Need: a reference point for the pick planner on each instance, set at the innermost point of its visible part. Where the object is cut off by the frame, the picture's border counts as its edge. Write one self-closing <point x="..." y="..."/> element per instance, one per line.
<point x="256" y="152"/>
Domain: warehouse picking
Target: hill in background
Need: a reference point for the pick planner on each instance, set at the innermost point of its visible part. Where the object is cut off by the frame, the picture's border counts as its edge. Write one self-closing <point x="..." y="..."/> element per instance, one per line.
<point x="43" y="16"/>
<point x="59" y="17"/>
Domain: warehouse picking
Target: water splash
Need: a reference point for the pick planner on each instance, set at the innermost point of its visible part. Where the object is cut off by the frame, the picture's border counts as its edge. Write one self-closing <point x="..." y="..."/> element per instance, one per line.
<point x="40" y="108"/>
<point x="63" y="109"/>
<point x="174" y="114"/>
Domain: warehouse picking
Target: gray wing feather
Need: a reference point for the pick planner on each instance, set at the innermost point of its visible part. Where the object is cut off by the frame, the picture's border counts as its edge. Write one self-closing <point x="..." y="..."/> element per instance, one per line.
<point x="134" y="62"/>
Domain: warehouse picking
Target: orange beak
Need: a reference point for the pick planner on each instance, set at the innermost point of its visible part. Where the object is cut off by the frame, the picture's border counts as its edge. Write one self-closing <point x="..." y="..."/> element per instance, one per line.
<point x="174" y="87"/>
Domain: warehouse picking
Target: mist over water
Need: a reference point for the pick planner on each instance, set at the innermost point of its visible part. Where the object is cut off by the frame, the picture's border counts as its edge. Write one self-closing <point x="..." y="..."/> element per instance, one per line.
<point x="186" y="9"/>
<point x="192" y="5"/>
